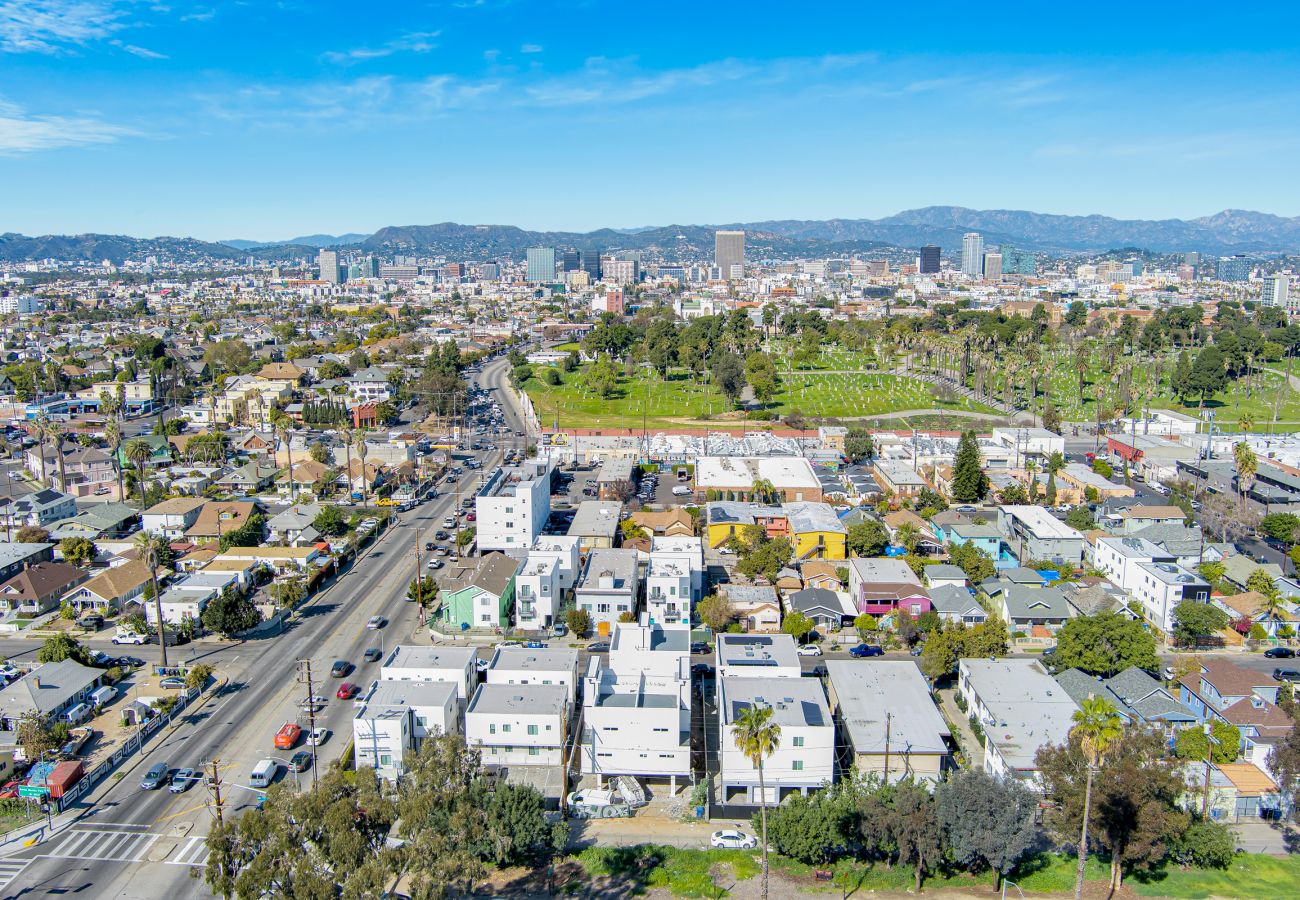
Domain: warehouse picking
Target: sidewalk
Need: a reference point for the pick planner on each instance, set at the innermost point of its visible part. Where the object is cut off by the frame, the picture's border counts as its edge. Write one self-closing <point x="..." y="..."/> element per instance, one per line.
<point x="959" y="722"/>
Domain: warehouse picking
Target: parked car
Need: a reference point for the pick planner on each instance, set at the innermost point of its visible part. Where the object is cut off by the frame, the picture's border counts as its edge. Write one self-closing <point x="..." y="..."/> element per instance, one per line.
<point x="154" y="778"/>
<point x="182" y="780"/>
<point x="372" y="654"/>
<point x="702" y="670"/>
<point x="682" y="490"/>
<point x="817" y="671"/>
<point x="435" y="563"/>
<point x="810" y="650"/>
<point x="340" y="668"/>
<point x="559" y="629"/>
<point x="172" y="683"/>
<point x="862" y="651"/>
<point x="1290" y="675"/>
<point x="481" y="665"/>
<point x="598" y="647"/>
<point x="1280" y="653"/>
<point x="698" y="647"/>
<point x="729" y="839"/>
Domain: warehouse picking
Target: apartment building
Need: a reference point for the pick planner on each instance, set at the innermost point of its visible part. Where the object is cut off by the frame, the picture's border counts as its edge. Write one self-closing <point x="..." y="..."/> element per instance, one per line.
<point x="1020" y="707"/>
<point x="514" y="510"/>
<point x="449" y="665"/>
<point x="528" y="665"/>
<point x="608" y="587"/>
<point x="519" y="725"/>
<point x="394" y="717"/>
<point x="805" y="760"/>
<point x="546" y="581"/>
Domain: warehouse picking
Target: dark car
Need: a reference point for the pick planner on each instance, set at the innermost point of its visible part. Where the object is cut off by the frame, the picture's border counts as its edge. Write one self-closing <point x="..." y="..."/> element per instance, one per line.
<point x="128" y="662"/>
<point x="372" y="655"/>
<point x="1280" y="653"/>
<point x="428" y="545"/>
<point x="340" y="668"/>
<point x="300" y="761"/>
<point x="702" y="670"/>
<point x="698" y="647"/>
<point x="598" y="647"/>
<point x="862" y="651"/>
<point x="1290" y="675"/>
<point x="817" y="671"/>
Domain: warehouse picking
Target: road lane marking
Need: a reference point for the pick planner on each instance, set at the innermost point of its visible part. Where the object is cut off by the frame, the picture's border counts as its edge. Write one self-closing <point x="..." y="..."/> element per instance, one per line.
<point x="11" y="869"/>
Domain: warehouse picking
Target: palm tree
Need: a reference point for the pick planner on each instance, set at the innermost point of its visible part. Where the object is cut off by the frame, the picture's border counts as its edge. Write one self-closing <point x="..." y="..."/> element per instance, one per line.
<point x="1097" y="726"/>
<point x="113" y="434"/>
<point x="139" y="452"/>
<point x="283" y="425"/>
<point x="1247" y="467"/>
<point x="763" y="490"/>
<point x="42" y="431"/>
<point x="906" y="536"/>
<point x="758" y="737"/>
<point x="362" y="450"/>
<point x="146" y="546"/>
<point x="1031" y="469"/>
<point x="54" y="434"/>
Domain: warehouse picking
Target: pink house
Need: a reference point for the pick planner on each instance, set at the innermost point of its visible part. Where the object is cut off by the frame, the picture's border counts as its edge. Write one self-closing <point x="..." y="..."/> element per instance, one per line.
<point x="880" y="586"/>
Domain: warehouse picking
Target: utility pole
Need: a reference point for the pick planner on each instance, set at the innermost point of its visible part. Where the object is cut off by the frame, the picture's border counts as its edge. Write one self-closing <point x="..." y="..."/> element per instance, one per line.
<point x="214" y="785"/>
<point x="304" y="674"/>
<point x="419" y="575"/>
<point x="888" y="721"/>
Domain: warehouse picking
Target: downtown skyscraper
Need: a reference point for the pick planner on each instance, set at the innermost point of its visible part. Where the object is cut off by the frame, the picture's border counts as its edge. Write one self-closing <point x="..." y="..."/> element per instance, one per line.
<point x="729" y="254"/>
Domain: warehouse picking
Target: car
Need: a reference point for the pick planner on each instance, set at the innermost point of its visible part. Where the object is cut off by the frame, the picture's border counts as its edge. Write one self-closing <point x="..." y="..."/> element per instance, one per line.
<point x="288" y="735"/>
<point x="346" y="691"/>
<point x="682" y="490"/>
<point x="862" y="651"/>
<point x="172" y="683"/>
<point x="318" y="736"/>
<point x="428" y="545"/>
<point x="702" y="670"/>
<point x="439" y="536"/>
<point x="481" y="665"/>
<point x="810" y="650"/>
<point x="311" y="701"/>
<point x="598" y="647"/>
<point x="559" y="629"/>
<point x="726" y="551"/>
<point x="182" y="780"/>
<point x="300" y="761"/>
<point x="128" y="662"/>
<point x="340" y="668"/>
<point x="435" y="563"/>
<point x="817" y="671"/>
<point x="10" y="789"/>
<point x="449" y="522"/>
<point x="730" y="839"/>
<point x="471" y="517"/>
<point x="698" y="647"/>
<point x="372" y="654"/>
<point x="154" y="778"/>
<point x="504" y="644"/>
<point x="1279" y="653"/>
<point x="374" y="623"/>
<point x="1290" y="675"/>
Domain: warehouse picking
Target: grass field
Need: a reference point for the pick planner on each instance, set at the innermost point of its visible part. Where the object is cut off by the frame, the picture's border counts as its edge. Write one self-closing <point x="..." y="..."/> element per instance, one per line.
<point x="680" y="400"/>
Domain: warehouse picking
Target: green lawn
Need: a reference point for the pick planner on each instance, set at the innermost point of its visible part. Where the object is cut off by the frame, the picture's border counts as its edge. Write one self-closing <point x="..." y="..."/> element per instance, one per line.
<point x="680" y="400"/>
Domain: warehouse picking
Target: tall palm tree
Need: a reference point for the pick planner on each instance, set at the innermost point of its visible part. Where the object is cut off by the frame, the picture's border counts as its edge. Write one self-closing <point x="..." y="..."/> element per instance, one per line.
<point x="42" y="430"/>
<point x="146" y="546"/>
<point x="283" y="425"/>
<point x="362" y="450"/>
<point x="1031" y="470"/>
<point x="758" y="737"/>
<point x="1247" y="468"/>
<point x="113" y="434"/>
<point x="139" y="452"/>
<point x="54" y="434"/>
<point x="1097" y="726"/>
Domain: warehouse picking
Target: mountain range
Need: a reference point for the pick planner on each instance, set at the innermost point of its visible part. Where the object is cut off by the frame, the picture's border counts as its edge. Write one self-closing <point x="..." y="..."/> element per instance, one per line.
<point x="1227" y="232"/>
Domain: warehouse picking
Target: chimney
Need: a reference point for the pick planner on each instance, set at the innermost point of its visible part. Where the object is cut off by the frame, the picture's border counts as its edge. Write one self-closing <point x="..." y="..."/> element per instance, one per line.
<point x="37" y="680"/>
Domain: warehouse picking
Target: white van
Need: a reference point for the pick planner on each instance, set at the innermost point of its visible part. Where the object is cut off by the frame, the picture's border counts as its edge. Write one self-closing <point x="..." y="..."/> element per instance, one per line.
<point x="78" y="714"/>
<point x="103" y="696"/>
<point x="264" y="773"/>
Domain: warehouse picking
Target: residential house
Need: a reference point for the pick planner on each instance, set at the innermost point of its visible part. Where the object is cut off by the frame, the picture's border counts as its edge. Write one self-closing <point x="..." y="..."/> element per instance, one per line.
<point x="898" y="478"/>
<point x="39" y="588"/>
<point x="1035" y="534"/>
<point x="15" y="557"/>
<point x="519" y="724"/>
<point x="1119" y="559"/>
<point x="954" y="528"/>
<point x="884" y="713"/>
<point x="1249" y="605"/>
<point x="637" y="705"/>
<point x="689" y="551"/>
<point x="111" y="589"/>
<point x="1136" y="696"/>
<point x="596" y="524"/>
<point x="608" y="587"/>
<point x="755" y="606"/>
<point x="1020" y="708"/>
<point x="668" y="589"/>
<point x="49" y="690"/>
<point x="1032" y="611"/>
<point x="172" y="518"/>
<point x="249" y="478"/>
<point x="480" y="594"/>
<point x="759" y="655"/>
<point x="40" y="508"/>
<point x="294" y="525"/>
<point x="676" y="522"/>
<point x="1230" y="693"/>
<point x="393" y="718"/>
<point x="218" y="518"/>
<point x="726" y="519"/>
<point x="529" y="665"/>
<point x="1161" y="586"/>
<point x="1076" y="482"/>
<point x="818" y="532"/>
<point x="512" y="510"/>
<point x="805" y="759"/>
<point x="101" y="521"/>
<point x="956" y="604"/>
<point x="449" y="665"/>
<point x="822" y="574"/>
<point x="880" y="586"/>
<point x="828" y="609"/>
<point x="1238" y="569"/>
<point x="282" y="561"/>
<point x="1136" y="518"/>
<point x="546" y="580"/>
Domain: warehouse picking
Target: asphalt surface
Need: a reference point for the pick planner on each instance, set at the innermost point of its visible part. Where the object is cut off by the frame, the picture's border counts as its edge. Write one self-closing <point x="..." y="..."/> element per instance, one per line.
<point x="132" y="843"/>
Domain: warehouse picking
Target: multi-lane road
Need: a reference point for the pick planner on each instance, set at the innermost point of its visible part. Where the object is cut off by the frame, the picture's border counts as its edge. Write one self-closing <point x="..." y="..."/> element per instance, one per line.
<point x="131" y="843"/>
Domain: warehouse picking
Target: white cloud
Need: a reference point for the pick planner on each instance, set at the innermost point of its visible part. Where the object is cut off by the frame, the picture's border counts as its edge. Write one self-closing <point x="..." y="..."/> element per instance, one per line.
<point x="50" y="26"/>
<point x="531" y="48"/>
<point x="24" y="133"/>
<point x="411" y="42"/>
<point x="142" y="52"/>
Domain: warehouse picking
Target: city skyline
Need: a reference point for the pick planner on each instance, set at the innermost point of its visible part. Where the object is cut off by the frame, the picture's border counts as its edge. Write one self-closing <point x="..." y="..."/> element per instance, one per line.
<point x="222" y="122"/>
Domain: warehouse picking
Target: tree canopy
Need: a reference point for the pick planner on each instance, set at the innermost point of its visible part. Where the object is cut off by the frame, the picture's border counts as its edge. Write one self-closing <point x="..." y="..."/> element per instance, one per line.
<point x="1105" y="644"/>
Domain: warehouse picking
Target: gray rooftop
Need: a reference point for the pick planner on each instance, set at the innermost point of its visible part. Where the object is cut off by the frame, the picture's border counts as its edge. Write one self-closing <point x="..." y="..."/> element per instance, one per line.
<point x="410" y="656"/>
<point x="13" y="553"/>
<point x="524" y="659"/>
<point x="519" y="699"/>
<point x="403" y="694"/>
<point x="795" y="702"/>
<point x="868" y="689"/>
<point x="1028" y="708"/>
<point x="596" y="518"/>
<point x="46" y="688"/>
<point x="757" y="650"/>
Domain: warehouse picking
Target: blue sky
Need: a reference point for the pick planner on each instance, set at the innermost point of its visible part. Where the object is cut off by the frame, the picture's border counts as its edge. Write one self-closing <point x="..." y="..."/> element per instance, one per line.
<point x="268" y="120"/>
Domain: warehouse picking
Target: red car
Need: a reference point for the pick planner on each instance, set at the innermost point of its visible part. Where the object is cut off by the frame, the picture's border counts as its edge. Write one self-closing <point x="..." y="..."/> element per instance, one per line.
<point x="470" y="517"/>
<point x="346" y="691"/>
<point x="10" y="790"/>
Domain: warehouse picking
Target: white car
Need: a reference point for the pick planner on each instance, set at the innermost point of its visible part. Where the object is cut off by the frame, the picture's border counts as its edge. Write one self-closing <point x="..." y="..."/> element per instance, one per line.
<point x="733" y="840"/>
<point x="810" y="650"/>
<point x="317" y="736"/>
<point x="682" y="491"/>
<point x="376" y="622"/>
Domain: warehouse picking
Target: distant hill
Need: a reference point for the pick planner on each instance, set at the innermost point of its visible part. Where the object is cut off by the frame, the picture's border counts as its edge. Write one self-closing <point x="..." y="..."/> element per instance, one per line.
<point x="1230" y="231"/>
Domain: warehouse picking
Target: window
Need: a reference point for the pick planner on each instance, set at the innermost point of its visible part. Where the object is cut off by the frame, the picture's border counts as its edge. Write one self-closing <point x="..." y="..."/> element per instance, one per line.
<point x="385" y="759"/>
<point x="797" y="765"/>
<point x="505" y="728"/>
<point x="532" y="729"/>
<point x="492" y="728"/>
<point x="798" y="742"/>
<point x="534" y="751"/>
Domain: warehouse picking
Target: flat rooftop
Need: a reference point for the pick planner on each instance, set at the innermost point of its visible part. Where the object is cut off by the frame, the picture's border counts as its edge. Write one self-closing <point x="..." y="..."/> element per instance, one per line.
<point x="1028" y="708"/>
<point x="409" y="656"/>
<point x="519" y="699"/>
<point x="757" y="650"/>
<point x="402" y="694"/>
<point x="877" y="696"/>
<point x="795" y="702"/>
<point x="524" y="659"/>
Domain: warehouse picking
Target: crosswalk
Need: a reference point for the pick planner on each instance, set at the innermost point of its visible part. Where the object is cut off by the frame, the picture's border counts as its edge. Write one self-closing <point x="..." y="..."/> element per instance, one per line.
<point x="108" y="846"/>
<point x="11" y="869"/>
<point x="194" y="852"/>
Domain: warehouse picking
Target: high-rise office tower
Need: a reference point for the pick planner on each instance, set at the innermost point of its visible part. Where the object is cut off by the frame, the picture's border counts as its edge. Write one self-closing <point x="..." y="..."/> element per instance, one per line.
<point x="972" y="254"/>
<point x="1017" y="262"/>
<point x="571" y="260"/>
<point x="1234" y="268"/>
<point x="328" y="261"/>
<point x="928" y="264"/>
<point x="729" y="253"/>
<point x="591" y="264"/>
<point x="541" y="263"/>
<point x="993" y="266"/>
<point x="1277" y="290"/>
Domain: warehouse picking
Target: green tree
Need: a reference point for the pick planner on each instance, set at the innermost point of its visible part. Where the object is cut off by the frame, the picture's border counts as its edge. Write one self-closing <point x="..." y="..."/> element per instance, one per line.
<point x="1105" y="644"/>
<point x="59" y="647"/>
<point x="858" y="445"/>
<point x="977" y="564"/>
<point x="867" y="538"/>
<point x="1194" y="744"/>
<point x="987" y="822"/>
<point x="969" y="483"/>
<point x="715" y="611"/>
<point x="762" y="376"/>
<point x="230" y="612"/>
<point x="578" y="620"/>
<point x="422" y="590"/>
<point x="758" y="737"/>
<point x="329" y="521"/>
<point x="1077" y="314"/>
<point x="1209" y="373"/>
<point x="815" y="828"/>
<point x="36" y="736"/>
<point x="1280" y="526"/>
<point x="146" y="549"/>
<point x="797" y="625"/>
<point x="465" y="536"/>
<point x="198" y="675"/>
<point x="1097" y="728"/>
<point x="1194" y="621"/>
<point x="729" y="375"/>
<point x="1260" y="581"/>
<point x="78" y="551"/>
<point x="31" y="534"/>
<point x="766" y="558"/>
<point x="865" y="623"/>
<point x="1080" y="519"/>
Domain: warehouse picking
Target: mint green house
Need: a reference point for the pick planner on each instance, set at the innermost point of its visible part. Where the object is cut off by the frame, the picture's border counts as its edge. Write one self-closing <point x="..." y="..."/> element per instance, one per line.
<point x="482" y="595"/>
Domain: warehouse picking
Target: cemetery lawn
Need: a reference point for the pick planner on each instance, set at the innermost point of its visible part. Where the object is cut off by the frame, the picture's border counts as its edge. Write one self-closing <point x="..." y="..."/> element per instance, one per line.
<point x="680" y="400"/>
